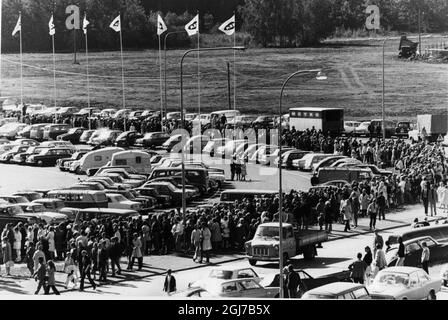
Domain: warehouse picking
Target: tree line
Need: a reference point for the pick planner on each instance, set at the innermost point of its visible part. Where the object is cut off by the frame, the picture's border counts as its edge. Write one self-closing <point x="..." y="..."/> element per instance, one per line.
<point x="286" y="23"/>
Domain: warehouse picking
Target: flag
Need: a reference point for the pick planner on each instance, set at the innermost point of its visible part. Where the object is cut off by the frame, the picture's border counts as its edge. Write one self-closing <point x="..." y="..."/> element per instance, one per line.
<point x="85" y="23"/>
<point x="51" y="27"/>
<point x="228" y="27"/>
<point x="116" y="24"/>
<point x="193" y="26"/>
<point x="161" y="26"/>
<point x="18" y="27"/>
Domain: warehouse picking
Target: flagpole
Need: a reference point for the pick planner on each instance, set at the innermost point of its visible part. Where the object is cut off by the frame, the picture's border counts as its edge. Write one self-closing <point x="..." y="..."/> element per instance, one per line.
<point x="54" y="72"/>
<point x="234" y="66"/>
<point x="87" y="70"/>
<point x="122" y="70"/>
<point x="199" y="77"/>
<point x="161" y="86"/>
<point x="21" y="62"/>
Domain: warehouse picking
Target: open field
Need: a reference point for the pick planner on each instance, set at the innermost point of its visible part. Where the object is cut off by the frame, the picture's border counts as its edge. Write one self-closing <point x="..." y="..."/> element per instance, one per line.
<point x="353" y="69"/>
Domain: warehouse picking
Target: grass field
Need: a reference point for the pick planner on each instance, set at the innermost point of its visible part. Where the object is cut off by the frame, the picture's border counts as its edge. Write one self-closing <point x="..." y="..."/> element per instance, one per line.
<point x="354" y="80"/>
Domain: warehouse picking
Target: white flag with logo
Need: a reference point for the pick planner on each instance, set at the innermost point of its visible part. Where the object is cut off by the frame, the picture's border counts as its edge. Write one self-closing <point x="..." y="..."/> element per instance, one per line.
<point x="85" y="23"/>
<point x="18" y="27"/>
<point x="51" y="26"/>
<point x="116" y="24"/>
<point x="228" y="27"/>
<point x="161" y="26"/>
<point x="193" y="26"/>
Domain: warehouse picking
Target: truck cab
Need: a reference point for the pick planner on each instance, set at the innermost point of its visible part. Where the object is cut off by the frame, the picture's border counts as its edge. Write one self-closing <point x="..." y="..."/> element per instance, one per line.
<point x="265" y="244"/>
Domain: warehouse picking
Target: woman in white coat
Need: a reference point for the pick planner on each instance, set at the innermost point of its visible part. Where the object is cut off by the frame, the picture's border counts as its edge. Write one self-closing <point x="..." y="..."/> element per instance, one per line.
<point x="51" y="244"/>
<point x="17" y="246"/>
<point x="206" y="236"/>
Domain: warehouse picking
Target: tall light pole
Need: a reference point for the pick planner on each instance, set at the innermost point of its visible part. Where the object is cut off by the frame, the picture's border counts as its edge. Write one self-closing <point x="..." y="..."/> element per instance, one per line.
<point x="165" y="75"/>
<point x="182" y="115"/>
<point x="383" y="94"/>
<point x="320" y="76"/>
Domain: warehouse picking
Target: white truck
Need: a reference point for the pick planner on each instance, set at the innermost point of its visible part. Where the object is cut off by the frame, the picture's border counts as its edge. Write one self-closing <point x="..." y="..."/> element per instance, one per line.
<point x="430" y="127"/>
<point x="265" y="244"/>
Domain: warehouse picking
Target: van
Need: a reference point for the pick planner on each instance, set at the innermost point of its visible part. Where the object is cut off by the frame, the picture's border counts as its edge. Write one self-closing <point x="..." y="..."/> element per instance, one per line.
<point x="104" y="213"/>
<point x="306" y="163"/>
<point x="438" y="232"/>
<point x="53" y="130"/>
<point x="389" y="125"/>
<point x="140" y="161"/>
<point x="229" y="196"/>
<point x="80" y="198"/>
<point x="197" y="177"/>
<point x="94" y="159"/>
<point x="37" y="131"/>
<point x="346" y="174"/>
<point x="230" y="115"/>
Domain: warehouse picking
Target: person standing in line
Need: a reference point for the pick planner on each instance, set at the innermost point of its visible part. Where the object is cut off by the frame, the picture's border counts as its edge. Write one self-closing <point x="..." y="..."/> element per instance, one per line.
<point x="51" y="282"/>
<point x="17" y="243"/>
<point x="400" y="253"/>
<point x="70" y="270"/>
<point x="243" y="170"/>
<point x="425" y="194"/>
<point x="372" y="211"/>
<point x="432" y="199"/>
<point x="358" y="270"/>
<point x="196" y="242"/>
<point x="102" y="261"/>
<point x="425" y="257"/>
<point x="368" y="259"/>
<point x="293" y="282"/>
<point x="380" y="259"/>
<point x="39" y="253"/>
<point x="346" y="211"/>
<point x="115" y="254"/>
<point x="377" y="241"/>
<point x="169" y="285"/>
<point x="381" y="203"/>
<point x="29" y="257"/>
<point x="7" y="255"/>
<point x="40" y="275"/>
<point x="136" y="253"/>
<point x="206" y="243"/>
<point x="232" y="168"/>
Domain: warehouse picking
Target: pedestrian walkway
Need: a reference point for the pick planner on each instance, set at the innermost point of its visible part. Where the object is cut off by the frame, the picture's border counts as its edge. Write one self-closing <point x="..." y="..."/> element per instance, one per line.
<point x="21" y="283"/>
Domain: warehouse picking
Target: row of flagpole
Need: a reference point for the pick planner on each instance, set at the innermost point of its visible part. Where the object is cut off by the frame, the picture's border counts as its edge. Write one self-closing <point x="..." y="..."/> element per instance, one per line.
<point x="192" y="28"/>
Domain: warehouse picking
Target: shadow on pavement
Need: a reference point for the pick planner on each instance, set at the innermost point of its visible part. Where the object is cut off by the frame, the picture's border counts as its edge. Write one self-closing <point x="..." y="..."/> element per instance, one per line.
<point x="11" y="286"/>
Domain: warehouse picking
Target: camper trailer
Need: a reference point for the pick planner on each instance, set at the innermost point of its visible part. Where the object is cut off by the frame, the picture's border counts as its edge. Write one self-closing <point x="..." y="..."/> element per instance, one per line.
<point x="94" y="159"/>
<point x="139" y="160"/>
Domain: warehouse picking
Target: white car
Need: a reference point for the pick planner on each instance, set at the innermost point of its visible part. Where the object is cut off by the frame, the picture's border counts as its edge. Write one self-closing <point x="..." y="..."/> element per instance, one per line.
<point x="222" y="274"/>
<point x="404" y="283"/>
<point x="350" y="126"/>
<point x="10" y="130"/>
<point x="118" y="201"/>
<point x="229" y="149"/>
<point x="307" y="161"/>
<point x="345" y="161"/>
<point x="362" y="129"/>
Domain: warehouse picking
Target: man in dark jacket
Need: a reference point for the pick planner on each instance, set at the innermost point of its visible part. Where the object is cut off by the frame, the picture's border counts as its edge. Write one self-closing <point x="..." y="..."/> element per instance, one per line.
<point x="381" y="203"/>
<point x="400" y="253"/>
<point x="85" y="265"/>
<point x="358" y="269"/>
<point x="102" y="261"/>
<point x="115" y="254"/>
<point x="293" y="282"/>
<point x="170" y="283"/>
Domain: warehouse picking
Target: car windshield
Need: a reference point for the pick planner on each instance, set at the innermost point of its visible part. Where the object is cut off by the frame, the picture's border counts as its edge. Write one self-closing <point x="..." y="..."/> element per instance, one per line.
<point x="15" y="210"/>
<point x="43" y="152"/>
<point x="221" y="274"/>
<point x="35" y="208"/>
<point x="120" y="198"/>
<point x="264" y="231"/>
<point x="391" y="278"/>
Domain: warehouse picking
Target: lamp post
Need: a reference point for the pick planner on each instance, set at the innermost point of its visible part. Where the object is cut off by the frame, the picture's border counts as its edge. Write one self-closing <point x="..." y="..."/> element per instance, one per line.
<point x="165" y="90"/>
<point x="320" y="76"/>
<point x="383" y="110"/>
<point x="182" y="116"/>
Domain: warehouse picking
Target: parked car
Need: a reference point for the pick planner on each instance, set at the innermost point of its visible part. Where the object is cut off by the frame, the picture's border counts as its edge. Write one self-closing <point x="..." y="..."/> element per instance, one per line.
<point x="362" y="129"/>
<point x="225" y="273"/>
<point x="174" y="140"/>
<point x="118" y="201"/>
<point x="50" y="204"/>
<point x="177" y="182"/>
<point x="116" y="177"/>
<point x="25" y="142"/>
<point x="127" y="139"/>
<point x="350" y="126"/>
<point x="30" y="195"/>
<point x="213" y="144"/>
<point x="339" y="290"/>
<point x="5" y="148"/>
<point x="9" y="155"/>
<point x="14" y="199"/>
<point x="152" y="140"/>
<point x="307" y="161"/>
<point x="48" y="157"/>
<point x="104" y="137"/>
<point x="263" y="122"/>
<point x="66" y="111"/>
<point x="73" y="135"/>
<point x="270" y="157"/>
<point x="85" y="137"/>
<point x="87" y="112"/>
<point x="244" y="151"/>
<point x="404" y="283"/>
<point x="64" y="163"/>
<point x="25" y="132"/>
<point x="289" y="156"/>
<point x="326" y="162"/>
<point x="10" y="130"/>
<point x="37" y="131"/>
<point x="107" y="113"/>
<point x="168" y="189"/>
<point x="403" y="127"/>
<point x="196" y="144"/>
<point x="229" y="148"/>
<point x="52" y="131"/>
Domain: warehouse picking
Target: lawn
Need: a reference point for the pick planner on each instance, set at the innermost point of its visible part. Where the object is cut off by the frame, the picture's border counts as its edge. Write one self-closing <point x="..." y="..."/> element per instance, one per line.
<point x="353" y="68"/>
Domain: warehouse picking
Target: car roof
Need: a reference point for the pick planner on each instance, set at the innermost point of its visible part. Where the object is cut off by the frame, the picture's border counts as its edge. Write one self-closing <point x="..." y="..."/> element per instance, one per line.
<point x="335" y="288"/>
<point x="419" y="239"/>
<point x="275" y="224"/>
<point x="402" y="269"/>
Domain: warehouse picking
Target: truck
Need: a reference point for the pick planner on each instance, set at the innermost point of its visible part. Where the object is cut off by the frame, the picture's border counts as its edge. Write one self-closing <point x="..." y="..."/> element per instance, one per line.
<point x="430" y="127"/>
<point x="265" y="244"/>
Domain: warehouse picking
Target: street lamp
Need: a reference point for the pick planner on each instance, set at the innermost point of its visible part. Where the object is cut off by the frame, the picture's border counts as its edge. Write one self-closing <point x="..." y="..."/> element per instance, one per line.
<point x="165" y="93"/>
<point x="383" y="93"/>
<point x="320" y="76"/>
<point x="182" y="116"/>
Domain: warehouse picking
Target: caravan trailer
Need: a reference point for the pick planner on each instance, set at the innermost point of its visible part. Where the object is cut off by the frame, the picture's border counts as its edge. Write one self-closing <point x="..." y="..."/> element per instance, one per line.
<point x="94" y="159"/>
<point x="139" y="160"/>
<point x="325" y="119"/>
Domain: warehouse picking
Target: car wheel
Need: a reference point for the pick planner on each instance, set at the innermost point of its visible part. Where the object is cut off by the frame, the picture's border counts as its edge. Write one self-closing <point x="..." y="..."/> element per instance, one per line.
<point x="78" y="170"/>
<point x="40" y="163"/>
<point x="252" y="262"/>
<point x="430" y="295"/>
<point x="445" y="283"/>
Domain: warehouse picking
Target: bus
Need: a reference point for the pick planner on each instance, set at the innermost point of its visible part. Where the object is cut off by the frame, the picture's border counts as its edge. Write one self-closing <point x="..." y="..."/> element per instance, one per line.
<point x="325" y="119"/>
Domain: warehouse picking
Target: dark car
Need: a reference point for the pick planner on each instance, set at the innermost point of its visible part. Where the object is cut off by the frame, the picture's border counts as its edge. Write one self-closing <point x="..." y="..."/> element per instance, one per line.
<point x="20" y="158"/>
<point x="127" y="139"/>
<point x="177" y="182"/>
<point x="163" y="201"/>
<point x="62" y="163"/>
<point x="49" y="157"/>
<point x="25" y="132"/>
<point x="11" y="214"/>
<point x="73" y="135"/>
<point x="263" y="122"/>
<point x="308" y="281"/>
<point x="152" y="140"/>
<point x="37" y="131"/>
<point x="8" y="156"/>
<point x="52" y="131"/>
<point x="168" y="189"/>
<point x="403" y="128"/>
<point x="413" y="252"/>
<point x="85" y="137"/>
